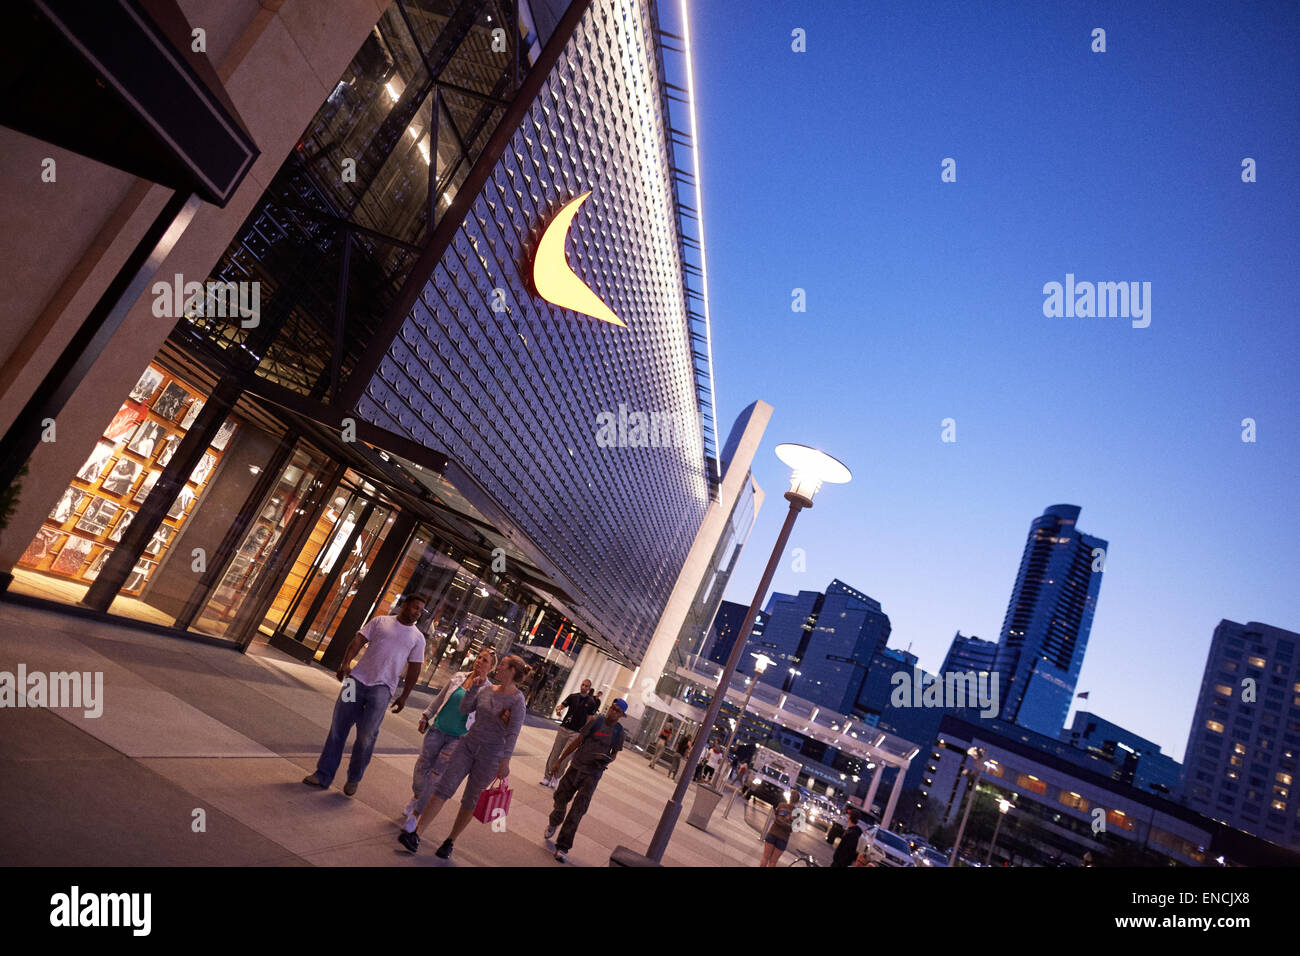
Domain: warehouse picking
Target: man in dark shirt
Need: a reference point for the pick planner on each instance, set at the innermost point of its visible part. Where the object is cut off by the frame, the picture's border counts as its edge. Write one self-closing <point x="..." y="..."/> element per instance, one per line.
<point x="580" y="706"/>
<point x="592" y="750"/>
<point x="847" y="851"/>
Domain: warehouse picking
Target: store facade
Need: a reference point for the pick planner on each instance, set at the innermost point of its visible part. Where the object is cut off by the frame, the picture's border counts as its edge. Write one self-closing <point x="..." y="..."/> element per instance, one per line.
<point x="400" y="411"/>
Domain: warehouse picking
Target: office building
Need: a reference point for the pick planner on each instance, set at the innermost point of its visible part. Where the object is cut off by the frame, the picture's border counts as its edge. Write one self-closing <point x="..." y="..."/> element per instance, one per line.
<point x="970" y="654"/>
<point x="1045" y="632"/>
<point x="1138" y="761"/>
<point x="1242" y="751"/>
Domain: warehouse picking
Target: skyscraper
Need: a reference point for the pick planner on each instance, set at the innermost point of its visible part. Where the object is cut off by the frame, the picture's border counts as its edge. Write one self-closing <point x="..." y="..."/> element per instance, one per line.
<point x="1241" y="754"/>
<point x="1045" y="632"/>
<point x="969" y="653"/>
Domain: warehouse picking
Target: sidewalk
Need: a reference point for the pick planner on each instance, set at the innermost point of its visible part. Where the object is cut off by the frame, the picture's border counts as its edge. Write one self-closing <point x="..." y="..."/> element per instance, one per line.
<point x="188" y="727"/>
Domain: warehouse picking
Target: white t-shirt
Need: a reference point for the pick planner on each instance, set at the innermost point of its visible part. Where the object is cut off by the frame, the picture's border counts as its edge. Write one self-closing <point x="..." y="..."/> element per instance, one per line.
<point x="390" y="646"/>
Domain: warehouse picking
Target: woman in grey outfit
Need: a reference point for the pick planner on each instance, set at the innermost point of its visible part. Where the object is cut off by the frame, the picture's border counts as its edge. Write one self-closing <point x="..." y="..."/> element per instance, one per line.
<point x="483" y="754"/>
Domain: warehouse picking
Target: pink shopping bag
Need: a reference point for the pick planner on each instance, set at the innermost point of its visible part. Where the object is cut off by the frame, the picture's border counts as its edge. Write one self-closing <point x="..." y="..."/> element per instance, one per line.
<point x="495" y="798"/>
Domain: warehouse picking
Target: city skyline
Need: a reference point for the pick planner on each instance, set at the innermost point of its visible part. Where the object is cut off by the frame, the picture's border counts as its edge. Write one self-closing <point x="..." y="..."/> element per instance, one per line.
<point x="925" y="303"/>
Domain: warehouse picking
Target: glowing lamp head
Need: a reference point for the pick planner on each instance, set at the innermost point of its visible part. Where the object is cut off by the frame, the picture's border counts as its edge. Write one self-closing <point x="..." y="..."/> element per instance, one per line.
<point x="810" y="468"/>
<point x="761" y="662"/>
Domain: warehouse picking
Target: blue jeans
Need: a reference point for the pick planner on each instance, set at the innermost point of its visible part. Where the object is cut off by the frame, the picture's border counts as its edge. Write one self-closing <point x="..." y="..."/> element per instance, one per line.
<point x="365" y="712"/>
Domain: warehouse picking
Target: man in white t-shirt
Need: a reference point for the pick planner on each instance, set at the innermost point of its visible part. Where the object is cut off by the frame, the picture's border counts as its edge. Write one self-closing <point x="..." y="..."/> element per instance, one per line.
<point x="392" y="642"/>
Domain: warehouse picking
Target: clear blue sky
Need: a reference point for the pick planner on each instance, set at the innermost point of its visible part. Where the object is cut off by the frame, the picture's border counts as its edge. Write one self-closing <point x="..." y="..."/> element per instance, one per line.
<point x="821" y="171"/>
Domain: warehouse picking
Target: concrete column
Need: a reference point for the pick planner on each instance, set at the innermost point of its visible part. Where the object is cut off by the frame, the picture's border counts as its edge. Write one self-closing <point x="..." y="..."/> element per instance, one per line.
<point x="871" y="790"/>
<point x="744" y="446"/>
<point x="584" y="667"/>
<point x="893" y="796"/>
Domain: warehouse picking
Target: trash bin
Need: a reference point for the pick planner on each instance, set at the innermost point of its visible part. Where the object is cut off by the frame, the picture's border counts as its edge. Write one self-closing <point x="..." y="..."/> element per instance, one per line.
<point x="706" y="800"/>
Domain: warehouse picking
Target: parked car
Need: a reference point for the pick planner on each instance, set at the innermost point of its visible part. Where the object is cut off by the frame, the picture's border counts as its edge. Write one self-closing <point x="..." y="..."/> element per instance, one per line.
<point x="929" y="856"/>
<point x="888" y="849"/>
<point x="769" y="785"/>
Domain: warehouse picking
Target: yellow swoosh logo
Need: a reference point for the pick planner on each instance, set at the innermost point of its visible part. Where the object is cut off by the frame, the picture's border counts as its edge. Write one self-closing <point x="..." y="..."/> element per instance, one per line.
<point x="555" y="281"/>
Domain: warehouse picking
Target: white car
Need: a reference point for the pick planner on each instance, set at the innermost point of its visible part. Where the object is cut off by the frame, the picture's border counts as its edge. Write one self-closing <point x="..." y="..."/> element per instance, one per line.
<point x="888" y="849"/>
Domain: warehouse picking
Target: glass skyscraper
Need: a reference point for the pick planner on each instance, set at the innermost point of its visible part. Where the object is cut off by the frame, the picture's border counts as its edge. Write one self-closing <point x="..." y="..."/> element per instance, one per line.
<point x="1048" y="619"/>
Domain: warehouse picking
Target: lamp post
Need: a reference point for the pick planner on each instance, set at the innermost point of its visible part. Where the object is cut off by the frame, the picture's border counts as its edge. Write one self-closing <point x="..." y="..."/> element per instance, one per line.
<point x="810" y="468"/>
<point x="761" y="661"/>
<point x="1003" y="806"/>
<point x="976" y="754"/>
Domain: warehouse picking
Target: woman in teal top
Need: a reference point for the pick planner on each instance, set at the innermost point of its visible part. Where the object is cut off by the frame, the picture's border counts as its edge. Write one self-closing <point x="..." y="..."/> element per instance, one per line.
<point x="442" y="736"/>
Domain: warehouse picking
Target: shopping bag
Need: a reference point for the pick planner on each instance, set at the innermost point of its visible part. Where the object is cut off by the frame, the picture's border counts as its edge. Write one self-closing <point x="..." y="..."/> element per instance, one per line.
<point x="495" y="798"/>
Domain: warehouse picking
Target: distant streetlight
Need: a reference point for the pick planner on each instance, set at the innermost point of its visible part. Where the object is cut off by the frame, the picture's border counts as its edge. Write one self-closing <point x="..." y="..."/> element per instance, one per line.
<point x="1004" y="805"/>
<point x="976" y="754"/>
<point x="809" y="469"/>
<point x="761" y="662"/>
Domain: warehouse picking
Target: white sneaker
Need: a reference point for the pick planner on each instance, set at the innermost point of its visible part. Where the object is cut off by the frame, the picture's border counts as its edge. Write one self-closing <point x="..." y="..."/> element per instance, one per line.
<point x="544" y="782"/>
<point x="550" y="832"/>
<point x="559" y="856"/>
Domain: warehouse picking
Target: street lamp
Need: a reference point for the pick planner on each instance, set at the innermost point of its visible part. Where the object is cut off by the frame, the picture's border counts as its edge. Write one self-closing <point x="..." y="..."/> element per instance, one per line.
<point x="976" y="754"/>
<point x="761" y="662"/>
<point x="1003" y="806"/>
<point x="810" y="468"/>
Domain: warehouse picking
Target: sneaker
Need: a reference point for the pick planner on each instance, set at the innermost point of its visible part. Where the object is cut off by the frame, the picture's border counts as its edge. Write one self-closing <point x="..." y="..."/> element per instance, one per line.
<point x="550" y="832"/>
<point x="444" y="851"/>
<point x="559" y="856"/>
<point x="555" y="783"/>
<point x="350" y="787"/>
<point x="409" y="840"/>
<point x="544" y="782"/>
<point x="314" y="780"/>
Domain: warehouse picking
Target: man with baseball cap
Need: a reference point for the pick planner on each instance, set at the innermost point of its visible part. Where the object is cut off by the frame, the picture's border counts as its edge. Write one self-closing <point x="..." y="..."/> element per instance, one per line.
<point x="592" y="750"/>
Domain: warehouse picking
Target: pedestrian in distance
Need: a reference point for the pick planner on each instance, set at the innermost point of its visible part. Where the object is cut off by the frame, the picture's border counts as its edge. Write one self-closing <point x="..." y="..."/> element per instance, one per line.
<point x="665" y="735"/>
<point x="846" y="852"/>
<point x="391" y="642"/>
<point x="778" y="834"/>
<point x="443" y="725"/>
<point x="581" y="707"/>
<point x="594" y="749"/>
<point x="483" y="754"/>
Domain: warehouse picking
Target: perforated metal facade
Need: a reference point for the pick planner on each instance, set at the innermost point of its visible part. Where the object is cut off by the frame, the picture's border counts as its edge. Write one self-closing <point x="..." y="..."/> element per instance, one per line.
<point x="513" y="392"/>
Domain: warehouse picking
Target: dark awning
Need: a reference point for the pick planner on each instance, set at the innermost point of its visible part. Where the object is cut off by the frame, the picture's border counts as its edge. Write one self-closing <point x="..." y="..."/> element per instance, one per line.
<point x="119" y="82"/>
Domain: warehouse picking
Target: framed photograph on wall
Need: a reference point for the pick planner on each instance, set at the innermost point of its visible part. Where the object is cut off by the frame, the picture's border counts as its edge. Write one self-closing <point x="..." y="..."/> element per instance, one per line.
<point x="182" y="503"/>
<point x="123" y="523"/>
<point x="222" y="438"/>
<point x="73" y="555"/>
<point x="169" y="446"/>
<point x="193" y="413"/>
<point x="147" y="385"/>
<point x="97" y="565"/>
<point x="94" y="465"/>
<point x="125" y="421"/>
<point x="159" y="540"/>
<point x="203" y="468"/>
<point x="99" y="515"/>
<point x="138" y="576"/>
<point x="146" y="486"/>
<point x="146" y="440"/>
<point x="67" y="505"/>
<point x="43" y="545"/>
<point x="170" y="402"/>
<point x="122" y="477"/>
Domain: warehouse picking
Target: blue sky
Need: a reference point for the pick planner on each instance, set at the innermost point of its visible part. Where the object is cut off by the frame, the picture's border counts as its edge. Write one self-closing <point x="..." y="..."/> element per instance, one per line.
<point x="821" y="171"/>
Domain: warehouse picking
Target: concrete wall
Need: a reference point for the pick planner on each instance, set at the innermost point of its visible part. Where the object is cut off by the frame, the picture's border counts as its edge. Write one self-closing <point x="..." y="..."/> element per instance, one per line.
<point x="63" y="241"/>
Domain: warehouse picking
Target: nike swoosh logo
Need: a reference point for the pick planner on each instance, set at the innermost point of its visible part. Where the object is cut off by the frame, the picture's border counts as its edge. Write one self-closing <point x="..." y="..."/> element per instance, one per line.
<point x="555" y="281"/>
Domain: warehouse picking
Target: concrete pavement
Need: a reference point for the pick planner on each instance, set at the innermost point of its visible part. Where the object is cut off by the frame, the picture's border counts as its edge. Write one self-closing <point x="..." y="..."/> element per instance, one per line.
<point x="197" y="757"/>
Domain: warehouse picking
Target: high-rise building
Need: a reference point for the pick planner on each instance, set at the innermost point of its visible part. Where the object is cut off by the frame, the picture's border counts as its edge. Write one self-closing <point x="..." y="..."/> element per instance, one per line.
<point x="850" y="629"/>
<point x="1048" y="619"/>
<point x="968" y="653"/>
<point x="1137" y="761"/>
<point x="357" y="379"/>
<point x="1244" y="746"/>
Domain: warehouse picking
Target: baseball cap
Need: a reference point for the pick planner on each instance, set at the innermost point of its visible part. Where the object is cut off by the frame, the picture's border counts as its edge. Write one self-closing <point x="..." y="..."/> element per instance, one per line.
<point x="620" y="703"/>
